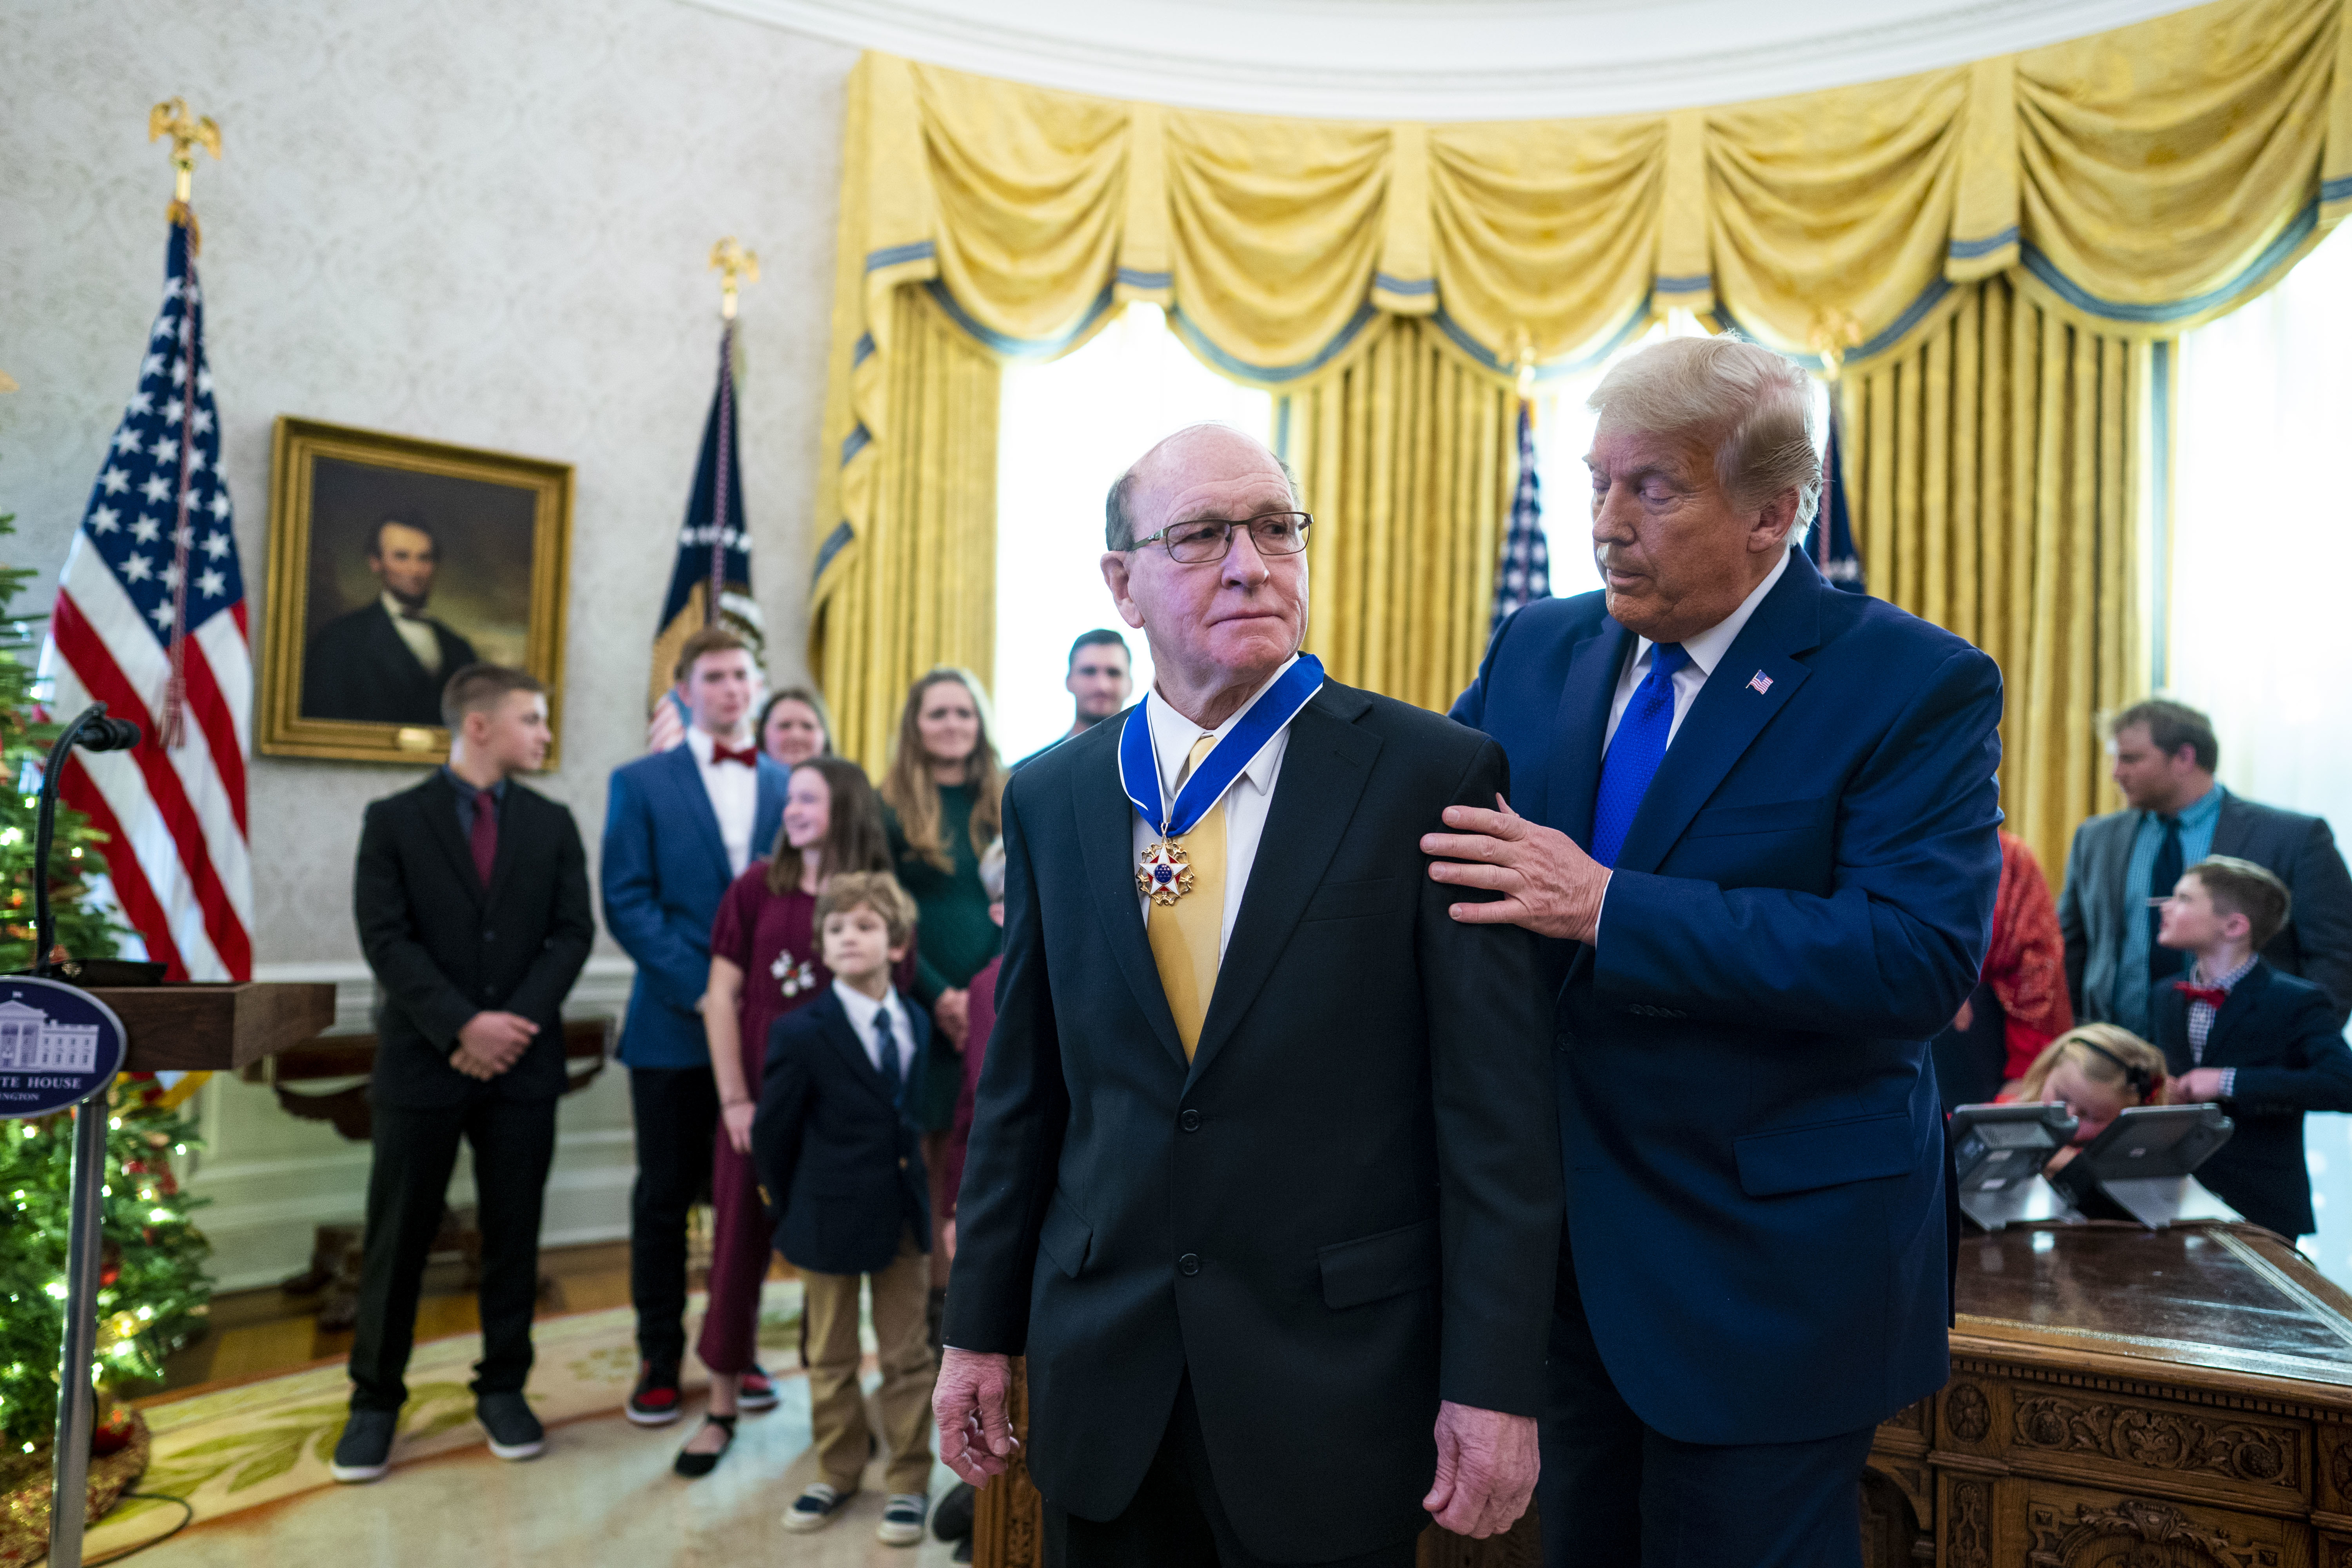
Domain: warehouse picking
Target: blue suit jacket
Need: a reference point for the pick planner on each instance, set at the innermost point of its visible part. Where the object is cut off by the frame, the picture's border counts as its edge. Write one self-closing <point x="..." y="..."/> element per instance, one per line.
<point x="665" y="868"/>
<point x="1752" y="1133"/>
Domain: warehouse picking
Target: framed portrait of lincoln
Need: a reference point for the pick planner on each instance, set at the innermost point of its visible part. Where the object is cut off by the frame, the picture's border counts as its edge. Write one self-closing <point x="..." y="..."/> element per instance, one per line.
<point x="393" y="563"/>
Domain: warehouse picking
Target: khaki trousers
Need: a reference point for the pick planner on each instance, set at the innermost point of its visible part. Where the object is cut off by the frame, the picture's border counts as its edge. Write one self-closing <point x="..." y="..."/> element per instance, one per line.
<point x="837" y="1403"/>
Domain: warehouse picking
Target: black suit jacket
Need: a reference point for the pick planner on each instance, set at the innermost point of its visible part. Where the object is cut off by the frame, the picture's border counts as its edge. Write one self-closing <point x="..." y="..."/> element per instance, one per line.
<point x="2316" y="942"/>
<point x="358" y="668"/>
<point x="841" y="1162"/>
<point x="2281" y="1036"/>
<point x="444" y="947"/>
<point x="1344" y="1209"/>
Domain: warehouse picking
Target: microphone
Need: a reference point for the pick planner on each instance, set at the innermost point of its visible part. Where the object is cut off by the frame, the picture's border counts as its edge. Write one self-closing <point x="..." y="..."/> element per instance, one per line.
<point x="101" y="732"/>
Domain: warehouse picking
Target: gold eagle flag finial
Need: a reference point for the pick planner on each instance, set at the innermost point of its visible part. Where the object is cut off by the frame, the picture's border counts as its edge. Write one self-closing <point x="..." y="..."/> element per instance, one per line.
<point x="1834" y="332"/>
<point x="170" y="117"/>
<point x="735" y="266"/>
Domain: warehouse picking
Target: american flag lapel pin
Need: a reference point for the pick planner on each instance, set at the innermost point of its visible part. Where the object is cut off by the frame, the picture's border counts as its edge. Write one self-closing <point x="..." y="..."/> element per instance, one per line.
<point x="1759" y="683"/>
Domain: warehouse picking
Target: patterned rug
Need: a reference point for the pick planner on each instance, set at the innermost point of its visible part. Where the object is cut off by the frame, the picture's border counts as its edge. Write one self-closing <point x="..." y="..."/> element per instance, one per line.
<point x="228" y="1449"/>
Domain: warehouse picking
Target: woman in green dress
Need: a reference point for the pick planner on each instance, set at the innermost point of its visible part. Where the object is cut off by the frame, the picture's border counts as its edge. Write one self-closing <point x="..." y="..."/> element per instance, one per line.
<point x="943" y="805"/>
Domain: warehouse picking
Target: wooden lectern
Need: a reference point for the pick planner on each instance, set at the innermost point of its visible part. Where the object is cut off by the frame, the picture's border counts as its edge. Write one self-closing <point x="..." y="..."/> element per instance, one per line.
<point x="196" y="1027"/>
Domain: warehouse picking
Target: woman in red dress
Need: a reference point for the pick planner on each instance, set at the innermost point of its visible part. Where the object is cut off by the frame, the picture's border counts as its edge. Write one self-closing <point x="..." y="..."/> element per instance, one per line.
<point x="764" y="964"/>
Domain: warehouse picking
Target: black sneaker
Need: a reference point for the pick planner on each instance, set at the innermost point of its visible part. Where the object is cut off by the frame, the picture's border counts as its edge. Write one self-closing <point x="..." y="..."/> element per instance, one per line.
<point x="902" y="1519"/>
<point x="515" y="1432"/>
<point x="757" y="1390"/>
<point x="655" y="1401"/>
<point x="814" y="1508"/>
<point x="365" y="1450"/>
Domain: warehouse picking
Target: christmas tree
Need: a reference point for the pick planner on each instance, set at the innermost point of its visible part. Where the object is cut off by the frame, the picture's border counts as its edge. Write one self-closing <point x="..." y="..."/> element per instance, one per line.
<point x="152" y="1292"/>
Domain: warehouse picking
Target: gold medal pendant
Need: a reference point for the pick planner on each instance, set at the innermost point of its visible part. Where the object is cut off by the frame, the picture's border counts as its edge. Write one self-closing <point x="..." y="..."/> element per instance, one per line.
<point x="1163" y="875"/>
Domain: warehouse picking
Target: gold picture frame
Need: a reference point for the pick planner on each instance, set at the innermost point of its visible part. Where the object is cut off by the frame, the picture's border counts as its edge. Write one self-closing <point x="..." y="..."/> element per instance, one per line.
<point x="471" y="548"/>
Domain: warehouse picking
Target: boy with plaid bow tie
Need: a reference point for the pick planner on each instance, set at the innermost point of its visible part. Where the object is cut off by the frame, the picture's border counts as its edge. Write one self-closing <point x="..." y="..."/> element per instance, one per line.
<point x="2262" y="1043"/>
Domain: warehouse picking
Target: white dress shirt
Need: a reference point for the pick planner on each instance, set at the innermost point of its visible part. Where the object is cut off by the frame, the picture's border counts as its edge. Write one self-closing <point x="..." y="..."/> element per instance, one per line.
<point x="417" y="633"/>
<point x="734" y="792"/>
<point x="1244" y="805"/>
<point x="1705" y="650"/>
<point x="861" y="1010"/>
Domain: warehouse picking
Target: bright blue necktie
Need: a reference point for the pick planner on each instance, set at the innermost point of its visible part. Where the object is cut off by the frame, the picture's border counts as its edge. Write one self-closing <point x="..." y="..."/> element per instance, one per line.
<point x="887" y="1047"/>
<point x="1634" y="753"/>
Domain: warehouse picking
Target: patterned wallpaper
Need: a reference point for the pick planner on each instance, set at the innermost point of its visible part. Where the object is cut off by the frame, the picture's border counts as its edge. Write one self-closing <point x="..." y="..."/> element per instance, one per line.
<point x="475" y="221"/>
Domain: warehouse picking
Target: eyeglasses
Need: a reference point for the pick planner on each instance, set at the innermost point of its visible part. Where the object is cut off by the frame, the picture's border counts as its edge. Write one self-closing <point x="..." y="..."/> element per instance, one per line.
<point x="1207" y="539"/>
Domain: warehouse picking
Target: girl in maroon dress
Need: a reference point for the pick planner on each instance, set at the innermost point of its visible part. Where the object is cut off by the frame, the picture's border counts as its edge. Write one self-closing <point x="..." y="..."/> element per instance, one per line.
<point x="764" y="964"/>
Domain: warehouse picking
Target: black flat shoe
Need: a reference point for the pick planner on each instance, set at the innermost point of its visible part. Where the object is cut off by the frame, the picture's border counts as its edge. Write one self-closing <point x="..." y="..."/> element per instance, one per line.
<point x="694" y="1466"/>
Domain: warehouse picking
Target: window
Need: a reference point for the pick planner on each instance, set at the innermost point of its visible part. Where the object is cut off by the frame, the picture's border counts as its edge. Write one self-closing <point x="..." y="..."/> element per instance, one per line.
<point x="2261" y="552"/>
<point x="1065" y="432"/>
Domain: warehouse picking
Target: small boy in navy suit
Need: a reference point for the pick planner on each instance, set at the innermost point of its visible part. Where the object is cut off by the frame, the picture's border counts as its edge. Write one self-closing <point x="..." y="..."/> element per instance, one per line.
<point x="2262" y="1043"/>
<point x="841" y="1165"/>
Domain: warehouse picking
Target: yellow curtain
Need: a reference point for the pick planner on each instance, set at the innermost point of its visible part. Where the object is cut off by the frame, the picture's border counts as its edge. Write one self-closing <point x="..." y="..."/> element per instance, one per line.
<point x="1406" y="461"/>
<point x="917" y="588"/>
<point x="1993" y="470"/>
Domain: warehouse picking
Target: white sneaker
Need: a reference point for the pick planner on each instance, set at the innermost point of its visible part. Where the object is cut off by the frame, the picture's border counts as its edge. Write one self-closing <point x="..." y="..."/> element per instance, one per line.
<point x="814" y="1508"/>
<point x="902" y="1519"/>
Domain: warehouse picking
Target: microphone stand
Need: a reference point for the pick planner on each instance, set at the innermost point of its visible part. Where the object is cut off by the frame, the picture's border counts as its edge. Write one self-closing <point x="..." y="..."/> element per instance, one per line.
<point x="77" y="1403"/>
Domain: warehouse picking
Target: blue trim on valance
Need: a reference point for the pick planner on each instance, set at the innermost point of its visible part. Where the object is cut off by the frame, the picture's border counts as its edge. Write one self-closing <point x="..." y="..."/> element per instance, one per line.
<point x="1240" y="370"/>
<point x="1552" y="369"/>
<point x="835" y="543"/>
<point x="892" y="256"/>
<point x="1134" y="278"/>
<point x="1013" y="347"/>
<point x="2083" y="299"/>
<point x="1411" y="288"/>
<point x="2336" y="190"/>
<point x="1969" y="249"/>
<point x="862" y="352"/>
<point x="1695" y="283"/>
<point x="855" y="441"/>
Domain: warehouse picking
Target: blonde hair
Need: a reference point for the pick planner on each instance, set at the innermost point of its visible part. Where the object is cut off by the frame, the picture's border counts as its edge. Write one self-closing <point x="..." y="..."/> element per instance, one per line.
<point x="2083" y="1045"/>
<point x="1754" y="405"/>
<point x="991" y="872"/>
<point x="908" y="789"/>
<point x="876" y="890"/>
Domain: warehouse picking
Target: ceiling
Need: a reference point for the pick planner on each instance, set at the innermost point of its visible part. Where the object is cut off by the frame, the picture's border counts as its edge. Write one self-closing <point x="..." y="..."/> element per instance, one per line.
<point x="1446" y="60"/>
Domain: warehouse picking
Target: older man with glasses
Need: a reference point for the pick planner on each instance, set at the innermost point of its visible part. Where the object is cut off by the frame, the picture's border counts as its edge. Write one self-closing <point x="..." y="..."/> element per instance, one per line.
<point x="1263" y="1177"/>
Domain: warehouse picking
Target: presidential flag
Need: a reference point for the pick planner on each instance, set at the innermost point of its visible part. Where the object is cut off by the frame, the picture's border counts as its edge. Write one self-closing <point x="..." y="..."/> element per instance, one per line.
<point x="150" y="620"/>
<point x="1832" y="539"/>
<point x="1525" y="572"/>
<point x="712" y="578"/>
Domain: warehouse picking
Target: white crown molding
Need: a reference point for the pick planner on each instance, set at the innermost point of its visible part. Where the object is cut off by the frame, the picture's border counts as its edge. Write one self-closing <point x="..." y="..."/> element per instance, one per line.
<point x="1445" y="59"/>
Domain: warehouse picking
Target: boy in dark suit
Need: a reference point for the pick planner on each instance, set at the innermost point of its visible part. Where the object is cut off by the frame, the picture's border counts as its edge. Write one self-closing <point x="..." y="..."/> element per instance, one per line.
<point x="841" y="1164"/>
<point x="2264" y="1044"/>
<point x="679" y="826"/>
<point x="472" y="896"/>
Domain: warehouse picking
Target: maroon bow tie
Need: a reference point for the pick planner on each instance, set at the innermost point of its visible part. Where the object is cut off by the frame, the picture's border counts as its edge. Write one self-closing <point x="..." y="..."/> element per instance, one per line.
<point x="749" y="757"/>
<point x="2211" y="995"/>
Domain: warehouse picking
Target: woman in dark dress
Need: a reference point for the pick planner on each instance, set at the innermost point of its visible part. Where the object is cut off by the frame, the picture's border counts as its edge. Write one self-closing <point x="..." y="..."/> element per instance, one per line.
<point x="765" y="963"/>
<point x="943" y="804"/>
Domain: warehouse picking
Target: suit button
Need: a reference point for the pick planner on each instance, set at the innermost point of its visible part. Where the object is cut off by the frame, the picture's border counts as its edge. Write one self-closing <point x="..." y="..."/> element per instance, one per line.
<point x="902" y="1162"/>
<point x="1188" y="1264"/>
<point x="1190" y="1120"/>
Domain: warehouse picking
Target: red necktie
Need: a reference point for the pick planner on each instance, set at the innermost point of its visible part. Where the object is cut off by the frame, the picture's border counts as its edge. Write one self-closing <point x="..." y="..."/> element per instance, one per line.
<point x="749" y="757"/>
<point x="485" y="840"/>
<point x="2211" y="995"/>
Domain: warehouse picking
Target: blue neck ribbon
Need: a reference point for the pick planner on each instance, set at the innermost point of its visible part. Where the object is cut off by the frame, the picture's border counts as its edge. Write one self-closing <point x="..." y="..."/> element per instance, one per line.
<point x="1138" y="773"/>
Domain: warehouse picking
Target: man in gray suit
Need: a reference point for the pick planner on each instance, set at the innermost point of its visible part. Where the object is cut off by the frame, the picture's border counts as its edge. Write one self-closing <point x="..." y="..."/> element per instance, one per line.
<point x="2175" y="816"/>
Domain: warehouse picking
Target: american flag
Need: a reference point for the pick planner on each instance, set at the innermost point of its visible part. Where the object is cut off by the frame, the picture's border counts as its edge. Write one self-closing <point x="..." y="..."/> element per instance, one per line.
<point x="150" y="620"/>
<point x="1527" y="559"/>
<point x="1832" y="538"/>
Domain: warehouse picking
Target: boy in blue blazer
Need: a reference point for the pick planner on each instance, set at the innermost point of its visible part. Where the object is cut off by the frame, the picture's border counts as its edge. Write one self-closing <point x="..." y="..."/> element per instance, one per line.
<point x="841" y="1164"/>
<point x="2262" y="1043"/>
<point x="679" y="826"/>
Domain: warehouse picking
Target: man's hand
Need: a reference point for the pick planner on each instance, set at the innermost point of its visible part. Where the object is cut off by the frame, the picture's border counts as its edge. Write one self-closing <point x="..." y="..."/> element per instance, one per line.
<point x="1486" y="1469"/>
<point x="971" y="1405"/>
<point x="953" y="1013"/>
<point x="2196" y="1083"/>
<point x="1549" y="885"/>
<point x="490" y="1042"/>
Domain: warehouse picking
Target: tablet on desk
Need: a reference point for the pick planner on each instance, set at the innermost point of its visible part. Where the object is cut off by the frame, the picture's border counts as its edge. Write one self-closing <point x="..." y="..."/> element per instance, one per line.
<point x="2148" y="1142"/>
<point x="1998" y="1146"/>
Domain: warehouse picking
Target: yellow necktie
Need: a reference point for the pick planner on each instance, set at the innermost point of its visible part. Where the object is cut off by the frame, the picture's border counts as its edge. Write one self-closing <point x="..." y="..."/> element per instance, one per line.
<point x="1185" y="934"/>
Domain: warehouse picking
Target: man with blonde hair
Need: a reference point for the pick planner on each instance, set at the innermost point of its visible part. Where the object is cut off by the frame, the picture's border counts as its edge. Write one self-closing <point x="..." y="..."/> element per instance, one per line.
<point x="1754" y="816"/>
